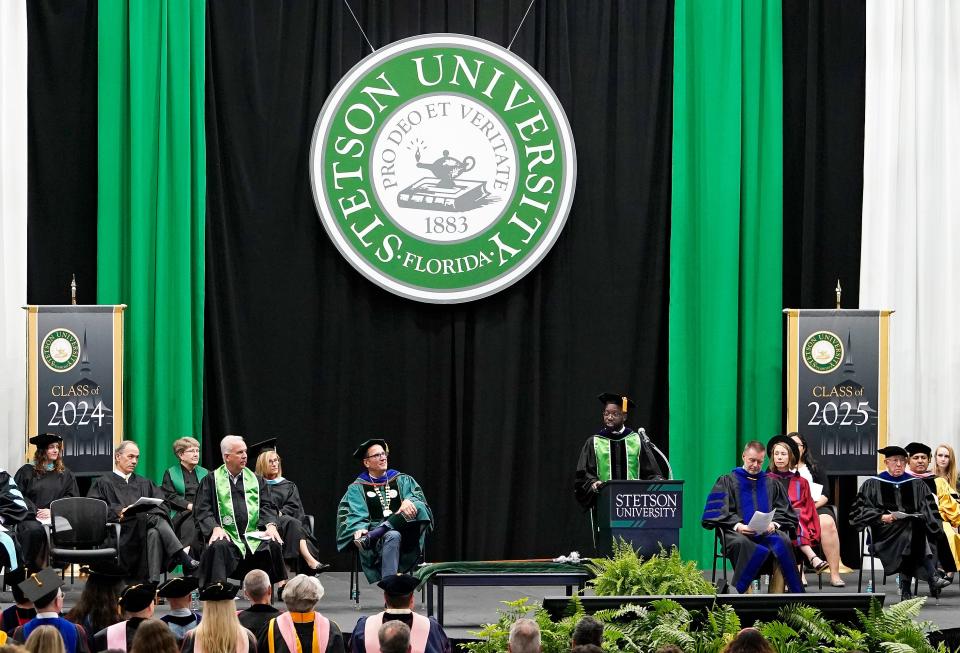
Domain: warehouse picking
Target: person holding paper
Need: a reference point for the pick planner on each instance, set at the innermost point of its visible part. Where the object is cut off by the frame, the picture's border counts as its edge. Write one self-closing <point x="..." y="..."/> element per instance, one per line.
<point x="238" y="520"/>
<point x="809" y="469"/>
<point x="144" y="527"/>
<point x="903" y="519"/>
<point x="732" y="504"/>
<point x="783" y="458"/>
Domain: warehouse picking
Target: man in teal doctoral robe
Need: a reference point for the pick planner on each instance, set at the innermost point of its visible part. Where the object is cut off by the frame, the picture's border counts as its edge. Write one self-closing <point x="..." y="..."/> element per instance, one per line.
<point x="384" y="513"/>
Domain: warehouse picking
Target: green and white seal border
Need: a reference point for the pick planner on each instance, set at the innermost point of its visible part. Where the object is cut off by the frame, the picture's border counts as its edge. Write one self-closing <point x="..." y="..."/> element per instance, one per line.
<point x="562" y="211"/>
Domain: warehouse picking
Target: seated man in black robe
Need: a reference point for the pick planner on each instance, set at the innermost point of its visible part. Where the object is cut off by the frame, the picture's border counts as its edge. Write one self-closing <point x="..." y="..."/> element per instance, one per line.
<point x="142" y="528"/>
<point x="731" y="505"/>
<point x="918" y="462"/>
<point x="904" y="522"/>
<point x="237" y="519"/>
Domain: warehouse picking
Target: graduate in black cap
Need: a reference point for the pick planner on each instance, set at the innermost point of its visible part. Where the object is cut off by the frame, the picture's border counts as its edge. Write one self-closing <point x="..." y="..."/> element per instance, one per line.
<point x="43" y="589"/>
<point x="98" y="605"/>
<point x="903" y="517"/>
<point x="300" y="549"/>
<point x="181" y="619"/>
<point x="19" y="613"/>
<point x="46" y="479"/>
<point x="384" y="513"/>
<point x="426" y="635"/>
<point x="138" y="604"/>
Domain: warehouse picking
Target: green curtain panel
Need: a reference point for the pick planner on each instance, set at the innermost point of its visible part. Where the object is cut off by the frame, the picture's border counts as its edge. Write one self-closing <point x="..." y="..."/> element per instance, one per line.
<point x="725" y="250"/>
<point x="150" y="211"/>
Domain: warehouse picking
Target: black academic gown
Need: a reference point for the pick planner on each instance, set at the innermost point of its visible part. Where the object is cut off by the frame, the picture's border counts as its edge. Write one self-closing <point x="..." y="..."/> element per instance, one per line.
<point x="118" y="494"/>
<point x="305" y="635"/>
<point x="293" y="524"/>
<point x="734" y="499"/>
<point x="184" y="525"/>
<point x="587" y="473"/>
<point x="40" y="490"/>
<point x="100" y="638"/>
<point x="188" y="643"/>
<point x="940" y="544"/>
<point x="20" y="520"/>
<point x="222" y="559"/>
<point x="903" y="544"/>
<point x="256" y="617"/>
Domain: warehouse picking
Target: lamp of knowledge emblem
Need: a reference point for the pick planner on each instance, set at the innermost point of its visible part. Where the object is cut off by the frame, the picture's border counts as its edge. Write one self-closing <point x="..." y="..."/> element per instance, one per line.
<point x="60" y="350"/>
<point x="822" y="352"/>
<point x="443" y="168"/>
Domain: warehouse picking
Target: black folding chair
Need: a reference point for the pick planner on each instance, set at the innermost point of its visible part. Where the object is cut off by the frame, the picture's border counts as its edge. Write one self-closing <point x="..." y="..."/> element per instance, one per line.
<point x="78" y="533"/>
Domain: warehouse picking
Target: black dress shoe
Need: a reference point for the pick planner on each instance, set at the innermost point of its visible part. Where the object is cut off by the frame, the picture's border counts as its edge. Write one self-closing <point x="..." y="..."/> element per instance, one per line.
<point x="316" y="571"/>
<point x="188" y="563"/>
<point x="364" y="542"/>
<point x="906" y="595"/>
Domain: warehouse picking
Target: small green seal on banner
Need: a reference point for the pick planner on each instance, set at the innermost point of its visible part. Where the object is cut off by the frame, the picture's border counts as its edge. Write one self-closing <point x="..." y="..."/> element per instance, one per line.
<point x="822" y="352"/>
<point x="443" y="168"/>
<point x="60" y="350"/>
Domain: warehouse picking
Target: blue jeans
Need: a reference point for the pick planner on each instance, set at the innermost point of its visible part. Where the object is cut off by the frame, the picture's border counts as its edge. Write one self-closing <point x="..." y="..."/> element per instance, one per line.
<point x="389" y="553"/>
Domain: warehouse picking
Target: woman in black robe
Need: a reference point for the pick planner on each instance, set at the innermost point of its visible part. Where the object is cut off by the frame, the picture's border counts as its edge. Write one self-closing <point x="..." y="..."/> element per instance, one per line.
<point x="46" y="479"/>
<point x="179" y="486"/>
<point x="299" y="546"/>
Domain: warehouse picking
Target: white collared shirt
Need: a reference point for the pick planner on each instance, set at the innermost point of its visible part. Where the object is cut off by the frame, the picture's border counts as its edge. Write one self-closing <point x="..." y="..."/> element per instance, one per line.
<point x="125" y="477"/>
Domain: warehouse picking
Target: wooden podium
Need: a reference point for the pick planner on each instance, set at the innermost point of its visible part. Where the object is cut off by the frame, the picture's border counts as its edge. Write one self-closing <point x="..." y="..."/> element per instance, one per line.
<point x="647" y="514"/>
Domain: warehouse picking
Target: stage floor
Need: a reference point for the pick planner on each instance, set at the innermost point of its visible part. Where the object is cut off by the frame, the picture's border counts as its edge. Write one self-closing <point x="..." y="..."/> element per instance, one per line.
<point x="467" y="608"/>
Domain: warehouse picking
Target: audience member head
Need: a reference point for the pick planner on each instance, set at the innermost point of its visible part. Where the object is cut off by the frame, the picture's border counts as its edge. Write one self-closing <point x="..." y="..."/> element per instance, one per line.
<point x="187" y="450"/>
<point x="588" y="648"/>
<point x="945" y="464"/>
<point x="753" y="454"/>
<point x="587" y="631"/>
<point x="524" y="637"/>
<point x="49" y="453"/>
<point x="126" y="456"/>
<point x="219" y="630"/>
<point x="19" y="598"/>
<point x="99" y="602"/>
<point x="268" y="465"/>
<point x="138" y="600"/>
<point x="43" y="588"/>
<point x="806" y="456"/>
<point x="154" y="636"/>
<point x="895" y="458"/>
<point x="45" y="639"/>
<point x="234" y="451"/>
<point x="257" y="587"/>
<point x="784" y="453"/>
<point x="918" y="457"/>
<point x="177" y="591"/>
<point x="394" y="637"/>
<point x="302" y="593"/>
<point x="749" y="640"/>
<point x="398" y="591"/>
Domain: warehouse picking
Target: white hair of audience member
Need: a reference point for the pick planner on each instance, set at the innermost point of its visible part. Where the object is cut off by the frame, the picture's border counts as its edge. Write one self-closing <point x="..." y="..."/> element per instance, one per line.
<point x="524" y="636"/>
<point x="256" y="584"/>
<point x="394" y="637"/>
<point x="226" y="444"/>
<point x="302" y="593"/>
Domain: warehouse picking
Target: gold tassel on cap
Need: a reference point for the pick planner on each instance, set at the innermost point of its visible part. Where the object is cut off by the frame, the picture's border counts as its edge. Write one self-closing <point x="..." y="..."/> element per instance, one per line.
<point x="624" y="409"/>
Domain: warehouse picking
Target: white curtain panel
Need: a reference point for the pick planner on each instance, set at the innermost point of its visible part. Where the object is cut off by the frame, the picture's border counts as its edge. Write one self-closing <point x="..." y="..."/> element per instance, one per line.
<point x="13" y="228"/>
<point x="911" y="209"/>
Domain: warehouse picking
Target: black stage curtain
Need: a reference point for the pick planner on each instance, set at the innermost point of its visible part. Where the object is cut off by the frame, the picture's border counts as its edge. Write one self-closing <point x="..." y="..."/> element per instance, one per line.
<point x="824" y="58"/>
<point x="62" y="150"/>
<point x="487" y="404"/>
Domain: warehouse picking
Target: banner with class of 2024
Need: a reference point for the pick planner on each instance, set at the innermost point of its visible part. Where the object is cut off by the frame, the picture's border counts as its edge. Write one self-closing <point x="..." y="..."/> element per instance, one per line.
<point x="75" y="382"/>
<point x="838" y="385"/>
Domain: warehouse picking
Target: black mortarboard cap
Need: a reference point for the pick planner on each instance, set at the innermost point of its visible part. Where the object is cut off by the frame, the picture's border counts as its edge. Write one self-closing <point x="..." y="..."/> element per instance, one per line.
<point x="135" y="598"/>
<point x="399" y="584"/>
<point x="41" y="587"/>
<point x="791" y="445"/>
<point x="361" y="451"/>
<point x="219" y="591"/>
<point x="624" y="402"/>
<point x="44" y="440"/>
<point x="918" y="447"/>
<point x="106" y="572"/>
<point x="177" y="587"/>
<point x="892" y="450"/>
<point x="254" y="450"/>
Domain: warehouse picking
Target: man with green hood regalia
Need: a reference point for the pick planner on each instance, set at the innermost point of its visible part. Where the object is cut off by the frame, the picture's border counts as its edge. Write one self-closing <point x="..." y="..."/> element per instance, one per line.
<point x="615" y="452"/>
<point x="383" y="513"/>
<point x="237" y="520"/>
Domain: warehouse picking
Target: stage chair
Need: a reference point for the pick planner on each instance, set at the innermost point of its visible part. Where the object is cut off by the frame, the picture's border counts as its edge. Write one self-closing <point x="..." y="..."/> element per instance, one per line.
<point x="78" y="533"/>
<point x="356" y="571"/>
<point x="718" y="548"/>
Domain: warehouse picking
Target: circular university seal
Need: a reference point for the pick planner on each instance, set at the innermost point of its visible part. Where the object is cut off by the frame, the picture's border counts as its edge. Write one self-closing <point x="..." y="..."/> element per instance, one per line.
<point x="443" y="168"/>
<point x="822" y="352"/>
<point x="60" y="350"/>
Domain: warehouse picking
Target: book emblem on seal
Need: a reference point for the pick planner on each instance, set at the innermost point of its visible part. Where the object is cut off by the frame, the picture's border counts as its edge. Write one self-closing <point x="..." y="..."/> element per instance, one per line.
<point x="60" y="350"/>
<point x="822" y="352"/>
